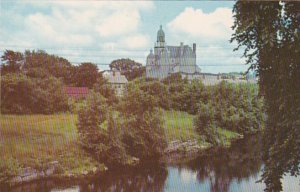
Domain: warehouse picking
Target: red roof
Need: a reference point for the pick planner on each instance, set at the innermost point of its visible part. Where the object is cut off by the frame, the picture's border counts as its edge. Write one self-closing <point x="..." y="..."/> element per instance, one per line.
<point x="77" y="91"/>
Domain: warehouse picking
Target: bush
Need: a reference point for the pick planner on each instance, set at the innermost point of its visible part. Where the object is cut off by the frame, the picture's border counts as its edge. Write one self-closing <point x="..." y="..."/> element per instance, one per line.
<point x="104" y="143"/>
<point x="144" y="134"/>
<point x="205" y="123"/>
<point x="102" y="87"/>
<point x="90" y="119"/>
<point x="23" y="95"/>
<point x="158" y="90"/>
<point x="235" y="107"/>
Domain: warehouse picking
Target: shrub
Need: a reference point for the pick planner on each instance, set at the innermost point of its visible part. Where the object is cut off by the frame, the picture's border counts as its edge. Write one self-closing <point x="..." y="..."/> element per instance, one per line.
<point x="144" y="134"/>
<point x="104" y="143"/>
<point x="90" y="119"/>
<point x="205" y="123"/>
<point x="23" y="95"/>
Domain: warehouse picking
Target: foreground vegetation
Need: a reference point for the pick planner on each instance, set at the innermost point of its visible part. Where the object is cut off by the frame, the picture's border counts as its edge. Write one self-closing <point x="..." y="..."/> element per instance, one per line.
<point x="179" y="126"/>
<point x="261" y="30"/>
<point x="32" y="140"/>
<point x="108" y="129"/>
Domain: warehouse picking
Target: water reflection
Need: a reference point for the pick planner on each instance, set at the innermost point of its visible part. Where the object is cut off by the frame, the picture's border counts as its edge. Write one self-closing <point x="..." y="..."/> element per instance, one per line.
<point x="222" y="166"/>
<point x="221" y="170"/>
<point x="151" y="178"/>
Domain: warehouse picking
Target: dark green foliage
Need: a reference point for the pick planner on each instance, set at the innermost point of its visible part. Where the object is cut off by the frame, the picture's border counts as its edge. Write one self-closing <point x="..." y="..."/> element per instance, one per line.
<point x="90" y="119"/>
<point x="12" y="62"/>
<point x="270" y="33"/>
<point x="104" y="143"/>
<point x="128" y="67"/>
<point x="156" y="89"/>
<point x="102" y="87"/>
<point x="176" y="91"/>
<point x="205" y="123"/>
<point x="16" y="94"/>
<point x="50" y="64"/>
<point x="113" y="137"/>
<point x="235" y="107"/>
<point x="40" y="64"/>
<point x="23" y="95"/>
<point x="144" y="134"/>
<point x="86" y="75"/>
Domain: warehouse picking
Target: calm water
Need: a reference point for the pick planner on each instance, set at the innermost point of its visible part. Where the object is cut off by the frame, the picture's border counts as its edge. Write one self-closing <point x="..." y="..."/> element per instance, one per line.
<point x="231" y="170"/>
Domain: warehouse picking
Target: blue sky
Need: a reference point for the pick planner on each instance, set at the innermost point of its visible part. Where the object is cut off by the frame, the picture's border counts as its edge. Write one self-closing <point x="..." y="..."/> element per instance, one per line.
<point x="100" y="31"/>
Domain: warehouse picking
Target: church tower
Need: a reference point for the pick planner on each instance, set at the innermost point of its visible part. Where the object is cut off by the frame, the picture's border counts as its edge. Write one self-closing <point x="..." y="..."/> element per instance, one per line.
<point x="160" y="38"/>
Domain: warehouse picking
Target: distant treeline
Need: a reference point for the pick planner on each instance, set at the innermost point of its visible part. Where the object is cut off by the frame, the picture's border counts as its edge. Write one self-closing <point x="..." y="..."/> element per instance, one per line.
<point x="34" y="81"/>
<point x="236" y="107"/>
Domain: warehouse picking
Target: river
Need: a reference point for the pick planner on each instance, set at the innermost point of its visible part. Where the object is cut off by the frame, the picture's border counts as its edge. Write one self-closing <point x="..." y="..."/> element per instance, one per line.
<point x="235" y="169"/>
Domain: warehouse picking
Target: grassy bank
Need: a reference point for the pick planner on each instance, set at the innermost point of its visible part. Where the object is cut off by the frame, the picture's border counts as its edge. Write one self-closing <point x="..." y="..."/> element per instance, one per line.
<point x="32" y="140"/>
<point x="179" y="126"/>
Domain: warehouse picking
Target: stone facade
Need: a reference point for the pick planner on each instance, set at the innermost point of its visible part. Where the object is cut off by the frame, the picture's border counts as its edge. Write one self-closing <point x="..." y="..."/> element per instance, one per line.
<point x="171" y="59"/>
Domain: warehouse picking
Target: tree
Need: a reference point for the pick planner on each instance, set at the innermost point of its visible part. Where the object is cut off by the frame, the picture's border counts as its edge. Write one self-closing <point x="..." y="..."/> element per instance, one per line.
<point x="130" y="68"/>
<point x="158" y="90"/>
<point x="270" y="33"/>
<point x="16" y="94"/>
<point x="104" y="143"/>
<point x="12" y="62"/>
<point x="144" y="135"/>
<point x="205" y="123"/>
<point x="51" y="64"/>
<point x="22" y="95"/>
<point x="86" y="75"/>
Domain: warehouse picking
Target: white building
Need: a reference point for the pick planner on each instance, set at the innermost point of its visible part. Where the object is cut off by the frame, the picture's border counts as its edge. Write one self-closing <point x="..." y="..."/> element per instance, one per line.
<point x="117" y="81"/>
<point x="167" y="60"/>
<point x="171" y="59"/>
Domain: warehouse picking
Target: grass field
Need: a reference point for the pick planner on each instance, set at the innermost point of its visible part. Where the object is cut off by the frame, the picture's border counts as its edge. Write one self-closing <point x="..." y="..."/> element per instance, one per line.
<point x="179" y="126"/>
<point x="35" y="139"/>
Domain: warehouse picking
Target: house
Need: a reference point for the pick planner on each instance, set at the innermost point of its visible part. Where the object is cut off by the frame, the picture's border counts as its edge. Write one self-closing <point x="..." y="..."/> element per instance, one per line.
<point x="116" y="80"/>
<point x="76" y="92"/>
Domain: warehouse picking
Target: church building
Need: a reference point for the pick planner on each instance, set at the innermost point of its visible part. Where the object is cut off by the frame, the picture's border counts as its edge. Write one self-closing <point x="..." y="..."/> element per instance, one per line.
<point x="166" y="60"/>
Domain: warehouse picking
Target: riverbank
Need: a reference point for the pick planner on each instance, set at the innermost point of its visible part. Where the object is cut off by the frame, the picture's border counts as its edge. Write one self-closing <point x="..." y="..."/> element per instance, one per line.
<point x="45" y="146"/>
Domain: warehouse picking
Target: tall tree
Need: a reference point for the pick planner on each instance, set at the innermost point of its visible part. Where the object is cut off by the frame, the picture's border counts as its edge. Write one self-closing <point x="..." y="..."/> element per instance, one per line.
<point x="270" y="33"/>
<point x="39" y="60"/>
<point x="12" y="62"/>
<point x="130" y="68"/>
<point x="86" y="75"/>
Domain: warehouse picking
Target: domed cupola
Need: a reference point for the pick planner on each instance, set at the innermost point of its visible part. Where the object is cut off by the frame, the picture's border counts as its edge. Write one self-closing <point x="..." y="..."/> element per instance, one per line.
<point x="151" y="55"/>
<point x="150" y="59"/>
<point x="160" y="35"/>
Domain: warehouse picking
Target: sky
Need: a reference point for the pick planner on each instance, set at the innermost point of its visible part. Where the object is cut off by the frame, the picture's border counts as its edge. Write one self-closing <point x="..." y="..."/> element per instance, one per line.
<point x="102" y="31"/>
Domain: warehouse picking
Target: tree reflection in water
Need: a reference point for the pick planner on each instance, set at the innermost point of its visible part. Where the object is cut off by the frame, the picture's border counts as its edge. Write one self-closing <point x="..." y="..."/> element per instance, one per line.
<point x="218" y="169"/>
<point x="150" y="178"/>
<point x="222" y="166"/>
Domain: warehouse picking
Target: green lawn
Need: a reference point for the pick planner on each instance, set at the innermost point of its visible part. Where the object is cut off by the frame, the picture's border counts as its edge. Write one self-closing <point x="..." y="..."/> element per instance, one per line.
<point x="179" y="126"/>
<point x="32" y="140"/>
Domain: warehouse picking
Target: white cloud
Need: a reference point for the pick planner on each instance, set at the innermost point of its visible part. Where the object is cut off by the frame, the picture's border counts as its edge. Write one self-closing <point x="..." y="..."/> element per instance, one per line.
<point x="211" y="32"/>
<point x="194" y="22"/>
<point x="121" y="22"/>
<point x="136" y="41"/>
<point x="73" y="23"/>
